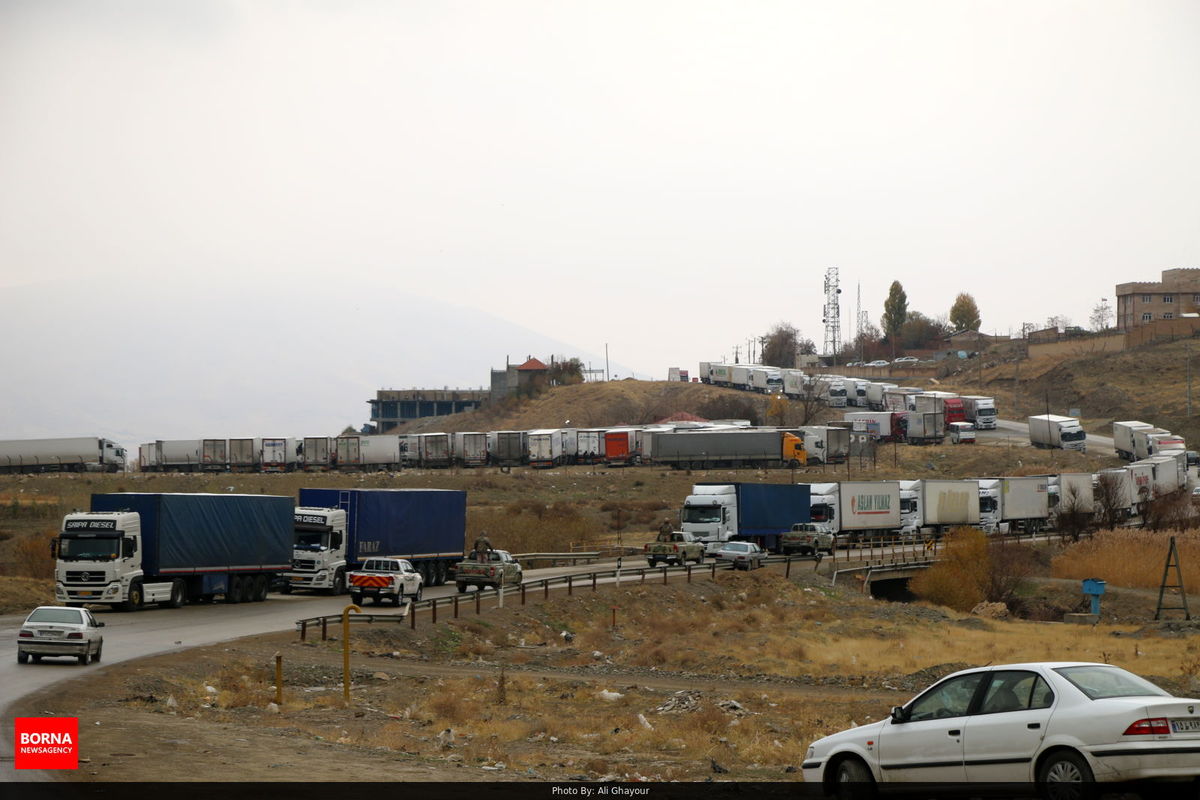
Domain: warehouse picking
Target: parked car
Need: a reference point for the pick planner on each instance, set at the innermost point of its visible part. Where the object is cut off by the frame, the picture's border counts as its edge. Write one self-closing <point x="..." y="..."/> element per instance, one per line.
<point x="1062" y="724"/>
<point x="744" y="555"/>
<point x="879" y="362"/>
<point x="906" y="360"/>
<point x="60" y="631"/>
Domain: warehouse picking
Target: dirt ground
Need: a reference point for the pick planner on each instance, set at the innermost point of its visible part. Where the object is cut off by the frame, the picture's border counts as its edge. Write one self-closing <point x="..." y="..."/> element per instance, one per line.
<point x="726" y="679"/>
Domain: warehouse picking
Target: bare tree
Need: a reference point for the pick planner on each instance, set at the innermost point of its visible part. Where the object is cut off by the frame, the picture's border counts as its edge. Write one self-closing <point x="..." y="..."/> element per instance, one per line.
<point x="1072" y="515"/>
<point x="1111" y="503"/>
<point x="1101" y="315"/>
<point x="811" y="401"/>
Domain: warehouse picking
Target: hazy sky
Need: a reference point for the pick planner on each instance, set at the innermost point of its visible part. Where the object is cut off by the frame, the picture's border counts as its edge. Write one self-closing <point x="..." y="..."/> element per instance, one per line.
<point x="668" y="178"/>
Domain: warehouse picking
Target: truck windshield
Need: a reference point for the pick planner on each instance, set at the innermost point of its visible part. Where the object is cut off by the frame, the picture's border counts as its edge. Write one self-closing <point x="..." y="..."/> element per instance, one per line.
<point x="908" y="506"/>
<point x="985" y="412"/>
<point x="702" y="514"/>
<point x="987" y="505"/>
<point x="312" y="540"/>
<point x="822" y="512"/>
<point x="1074" y="436"/>
<point x="98" y="548"/>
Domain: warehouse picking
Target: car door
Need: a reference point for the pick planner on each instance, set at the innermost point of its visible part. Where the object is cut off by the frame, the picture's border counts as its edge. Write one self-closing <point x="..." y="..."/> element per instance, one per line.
<point x="1001" y="739"/>
<point x="928" y="745"/>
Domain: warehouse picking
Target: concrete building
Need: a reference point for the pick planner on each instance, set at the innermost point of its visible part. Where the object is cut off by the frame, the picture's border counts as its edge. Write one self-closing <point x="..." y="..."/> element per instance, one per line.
<point x="1140" y="303"/>
<point x="392" y="407"/>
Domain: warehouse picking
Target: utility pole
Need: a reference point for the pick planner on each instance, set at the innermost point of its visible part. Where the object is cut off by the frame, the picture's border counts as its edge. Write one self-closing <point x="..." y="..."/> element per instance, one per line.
<point x="606" y="378"/>
<point x="1188" y="349"/>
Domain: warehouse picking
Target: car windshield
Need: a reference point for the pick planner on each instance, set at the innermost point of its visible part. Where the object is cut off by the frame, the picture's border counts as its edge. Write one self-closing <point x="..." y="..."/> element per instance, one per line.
<point x="105" y="548"/>
<point x="1099" y="682"/>
<point x="68" y="615"/>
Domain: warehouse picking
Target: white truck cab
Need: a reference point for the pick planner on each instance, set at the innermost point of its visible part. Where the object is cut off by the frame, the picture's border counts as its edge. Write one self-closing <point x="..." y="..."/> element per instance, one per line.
<point x="319" y="552"/>
<point x="98" y="557"/>
<point x="710" y="515"/>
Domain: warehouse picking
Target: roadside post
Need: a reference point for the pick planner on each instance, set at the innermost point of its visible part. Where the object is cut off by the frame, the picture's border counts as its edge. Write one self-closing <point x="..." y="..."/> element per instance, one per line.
<point x="346" y="650"/>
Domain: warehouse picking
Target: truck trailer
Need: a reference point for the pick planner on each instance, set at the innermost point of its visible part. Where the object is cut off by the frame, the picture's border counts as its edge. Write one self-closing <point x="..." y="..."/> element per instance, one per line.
<point x="469" y="448"/>
<point x="856" y="511"/>
<point x="1123" y="437"/>
<point x="136" y="548"/>
<point x="716" y="513"/>
<point x="76" y="454"/>
<point x="336" y="530"/>
<point x="1014" y="504"/>
<point x="703" y="449"/>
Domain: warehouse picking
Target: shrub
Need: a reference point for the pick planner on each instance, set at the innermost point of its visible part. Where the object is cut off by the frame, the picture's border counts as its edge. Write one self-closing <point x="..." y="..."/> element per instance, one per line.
<point x="960" y="579"/>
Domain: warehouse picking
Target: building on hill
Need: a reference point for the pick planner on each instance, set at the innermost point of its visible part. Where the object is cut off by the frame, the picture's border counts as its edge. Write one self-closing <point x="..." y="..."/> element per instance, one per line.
<point x="394" y="407"/>
<point x="526" y="378"/>
<point x="1141" y="303"/>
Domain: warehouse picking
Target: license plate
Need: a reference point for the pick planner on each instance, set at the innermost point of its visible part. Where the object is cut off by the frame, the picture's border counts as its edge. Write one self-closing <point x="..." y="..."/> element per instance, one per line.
<point x="49" y="634"/>
<point x="295" y="579"/>
<point x="1185" y="725"/>
<point x="85" y="594"/>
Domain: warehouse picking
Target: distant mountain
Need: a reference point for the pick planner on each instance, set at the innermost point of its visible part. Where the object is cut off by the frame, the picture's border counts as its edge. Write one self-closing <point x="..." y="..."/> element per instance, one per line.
<point x="174" y="360"/>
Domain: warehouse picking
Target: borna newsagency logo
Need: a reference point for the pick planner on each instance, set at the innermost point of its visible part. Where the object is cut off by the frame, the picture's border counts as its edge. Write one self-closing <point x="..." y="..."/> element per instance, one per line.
<point x="46" y="743"/>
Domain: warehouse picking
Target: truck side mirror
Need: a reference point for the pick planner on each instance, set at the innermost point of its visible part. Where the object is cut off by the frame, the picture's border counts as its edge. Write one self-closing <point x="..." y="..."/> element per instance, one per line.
<point x="54" y="548"/>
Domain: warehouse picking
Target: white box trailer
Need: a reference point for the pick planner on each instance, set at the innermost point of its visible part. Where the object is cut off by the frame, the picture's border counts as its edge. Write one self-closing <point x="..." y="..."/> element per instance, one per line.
<point x="1167" y="475"/>
<point x="147" y="457"/>
<point x="214" y="455"/>
<point x="739" y="376"/>
<point x="69" y="454"/>
<point x="178" y="455"/>
<point x="1162" y="443"/>
<point x="245" y="454"/>
<point x="1053" y="431"/>
<point x="720" y="374"/>
<point x="589" y="447"/>
<point x="875" y="395"/>
<point x="1123" y="436"/>
<point x="433" y="449"/>
<point x="375" y="452"/>
<point x="705" y="372"/>
<point x="793" y="383"/>
<point x="318" y="452"/>
<point x="1142" y="475"/>
<point x="1142" y="442"/>
<point x="766" y="380"/>
<point x="1122" y="495"/>
<point x="469" y="448"/>
<point x="896" y="398"/>
<point x="1024" y="503"/>
<point x="280" y="454"/>
<point x="948" y="503"/>
<point x="870" y="505"/>
<point x="546" y="448"/>
<point x="925" y="427"/>
<point x="1072" y="491"/>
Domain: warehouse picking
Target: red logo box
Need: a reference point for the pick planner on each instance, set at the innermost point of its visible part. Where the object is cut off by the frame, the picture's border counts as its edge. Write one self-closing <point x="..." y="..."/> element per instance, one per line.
<point x="46" y="743"/>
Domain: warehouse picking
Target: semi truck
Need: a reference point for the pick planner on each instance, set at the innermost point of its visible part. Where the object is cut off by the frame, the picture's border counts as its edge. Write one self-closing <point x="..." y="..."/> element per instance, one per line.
<point x="75" y="454"/>
<point x="980" y="411"/>
<point x="794" y="385"/>
<point x="1149" y="442"/>
<point x="1053" y="431"/>
<point x="766" y="380"/>
<point x="716" y="513"/>
<point x="703" y="449"/>
<point x="469" y="448"/>
<point x="336" y="530"/>
<point x="834" y="390"/>
<point x="1123" y="437"/>
<point x="883" y="426"/>
<point x="1013" y="504"/>
<point x="856" y="511"/>
<point x="136" y="548"/>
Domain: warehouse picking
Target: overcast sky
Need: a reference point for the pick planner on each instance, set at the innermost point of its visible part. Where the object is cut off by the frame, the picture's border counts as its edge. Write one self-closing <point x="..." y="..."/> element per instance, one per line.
<point x="667" y="178"/>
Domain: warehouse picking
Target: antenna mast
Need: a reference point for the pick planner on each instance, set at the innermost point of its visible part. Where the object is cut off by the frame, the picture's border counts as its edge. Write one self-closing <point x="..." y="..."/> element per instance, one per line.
<point x="832" y="314"/>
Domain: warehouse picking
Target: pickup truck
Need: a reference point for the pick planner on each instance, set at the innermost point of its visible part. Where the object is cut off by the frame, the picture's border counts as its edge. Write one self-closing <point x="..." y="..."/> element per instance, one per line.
<point x="385" y="578"/>
<point x="676" y="547"/>
<point x="500" y="568"/>
<point x="807" y="539"/>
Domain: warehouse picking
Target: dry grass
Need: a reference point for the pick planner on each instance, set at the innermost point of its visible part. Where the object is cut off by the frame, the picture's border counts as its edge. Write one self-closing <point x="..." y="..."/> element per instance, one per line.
<point x="1131" y="558"/>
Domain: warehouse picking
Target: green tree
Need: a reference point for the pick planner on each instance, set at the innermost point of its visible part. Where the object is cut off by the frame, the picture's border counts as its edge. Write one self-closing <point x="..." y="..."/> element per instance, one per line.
<point x="964" y="314"/>
<point x="780" y="346"/>
<point x="565" y="371"/>
<point x="895" y="312"/>
<point x="920" y="332"/>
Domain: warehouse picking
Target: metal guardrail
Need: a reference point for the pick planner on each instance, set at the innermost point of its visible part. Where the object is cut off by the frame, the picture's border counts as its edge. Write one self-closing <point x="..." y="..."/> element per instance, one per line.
<point x="302" y="625"/>
<point x="574" y="558"/>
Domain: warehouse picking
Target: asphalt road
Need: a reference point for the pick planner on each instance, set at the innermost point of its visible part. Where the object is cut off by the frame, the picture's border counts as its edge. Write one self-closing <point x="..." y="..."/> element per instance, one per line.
<point x="1018" y="433"/>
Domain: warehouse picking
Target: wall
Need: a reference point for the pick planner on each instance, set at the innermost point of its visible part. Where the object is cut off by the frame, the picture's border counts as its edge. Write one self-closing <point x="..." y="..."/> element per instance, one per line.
<point x="1113" y="342"/>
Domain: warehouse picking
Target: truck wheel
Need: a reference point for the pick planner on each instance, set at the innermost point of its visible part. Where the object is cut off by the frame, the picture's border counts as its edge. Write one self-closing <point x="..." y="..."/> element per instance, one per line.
<point x="262" y="587"/>
<point x="356" y="598"/>
<point x="178" y="595"/>
<point x="134" y="603"/>
<point x="233" y="589"/>
<point x="339" y="582"/>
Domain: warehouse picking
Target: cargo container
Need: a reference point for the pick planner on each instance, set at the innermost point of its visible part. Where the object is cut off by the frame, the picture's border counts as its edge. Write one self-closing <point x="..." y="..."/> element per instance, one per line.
<point x="883" y="426"/>
<point x="177" y="455"/>
<point x="76" y="454"/>
<point x="1014" y="504"/>
<point x="433" y="450"/>
<point x="337" y="529"/>
<point x="980" y="411"/>
<point x="590" y="445"/>
<point x="508" y="448"/>
<point x="708" y="449"/>
<point x="944" y="504"/>
<point x="318" y="453"/>
<point x="1123" y="437"/>
<point x="875" y="395"/>
<point x="1052" y="431"/>
<point x="622" y="447"/>
<point x="280" y="454"/>
<point x="137" y="548"/>
<point x="469" y="448"/>
<point x="716" y="513"/>
<point x="925" y="427"/>
<point x="245" y="455"/>
<point x="366" y="453"/>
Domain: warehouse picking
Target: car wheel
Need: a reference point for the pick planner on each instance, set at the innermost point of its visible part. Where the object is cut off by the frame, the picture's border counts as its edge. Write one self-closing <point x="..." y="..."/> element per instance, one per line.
<point x="96" y="655"/>
<point x="22" y="657"/>
<point x="356" y="598"/>
<point x="1065" y="775"/>
<point x="417" y="596"/>
<point x="852" y="779"/>
<point x="462" y="587"/>
<point x="85" y="659"/>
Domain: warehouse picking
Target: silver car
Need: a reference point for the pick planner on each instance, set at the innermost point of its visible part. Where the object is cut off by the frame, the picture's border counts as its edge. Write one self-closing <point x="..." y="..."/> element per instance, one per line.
<point x="60" y="631"/>
<point x="743" y="555"/>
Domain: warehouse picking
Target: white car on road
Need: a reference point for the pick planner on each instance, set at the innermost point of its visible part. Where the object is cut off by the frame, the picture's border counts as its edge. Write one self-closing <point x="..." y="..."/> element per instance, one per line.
<point x="1061" y="724"/>
<point x="59" y="631"/>
<point x="743" y="555"/>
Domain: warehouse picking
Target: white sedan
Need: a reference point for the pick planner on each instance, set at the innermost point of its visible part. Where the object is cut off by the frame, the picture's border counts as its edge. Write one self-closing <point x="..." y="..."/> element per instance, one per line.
<point x="743" y="555"/>
<point x="60" y="631"/>
<point x="1061" y="724"/>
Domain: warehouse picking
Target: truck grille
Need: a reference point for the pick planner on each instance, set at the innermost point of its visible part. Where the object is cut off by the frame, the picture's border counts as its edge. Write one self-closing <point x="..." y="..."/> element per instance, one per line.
<point x="304" y="564"/>
<point x="81" y="576"/>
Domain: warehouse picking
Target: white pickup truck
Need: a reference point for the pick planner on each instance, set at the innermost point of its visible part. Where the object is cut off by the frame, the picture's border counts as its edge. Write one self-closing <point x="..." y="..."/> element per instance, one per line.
<point x="385" y="579"/>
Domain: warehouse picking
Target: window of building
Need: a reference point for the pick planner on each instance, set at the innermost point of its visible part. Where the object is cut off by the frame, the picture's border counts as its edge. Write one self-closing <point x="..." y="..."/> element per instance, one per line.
<point x="1168" y="298"/>
<point x="1146" y="298"/>
<point x="1147" y="317"/>
<point x="1168" y="315"/>
<point x="1196" y="298"/>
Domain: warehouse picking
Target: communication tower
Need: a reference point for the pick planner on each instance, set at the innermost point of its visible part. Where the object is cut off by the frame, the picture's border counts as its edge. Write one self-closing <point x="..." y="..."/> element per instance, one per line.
<point x="832" y="313"/>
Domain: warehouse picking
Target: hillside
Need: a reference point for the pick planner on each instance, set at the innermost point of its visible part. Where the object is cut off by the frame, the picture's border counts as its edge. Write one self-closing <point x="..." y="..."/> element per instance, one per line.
<point x="1148" y="383"/>
<point x="590" y="405"/>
